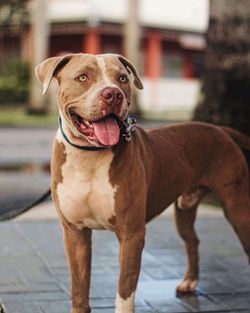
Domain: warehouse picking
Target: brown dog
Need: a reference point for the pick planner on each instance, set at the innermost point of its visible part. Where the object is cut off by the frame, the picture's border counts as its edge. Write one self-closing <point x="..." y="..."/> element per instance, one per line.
<point x="102" y="181"/>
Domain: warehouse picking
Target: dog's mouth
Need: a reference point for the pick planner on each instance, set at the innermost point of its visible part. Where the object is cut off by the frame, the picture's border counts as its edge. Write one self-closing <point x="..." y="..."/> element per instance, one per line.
<point x="105" y="131"/>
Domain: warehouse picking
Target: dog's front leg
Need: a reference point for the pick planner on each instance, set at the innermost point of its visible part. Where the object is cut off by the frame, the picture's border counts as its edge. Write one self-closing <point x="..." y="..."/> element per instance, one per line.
<point x="78" y="249"/>
<point x="131" y="246"/>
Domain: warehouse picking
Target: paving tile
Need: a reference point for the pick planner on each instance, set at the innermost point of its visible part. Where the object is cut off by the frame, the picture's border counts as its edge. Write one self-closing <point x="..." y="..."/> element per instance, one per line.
<point x="8" y="277"/>
<point x="36" y="287"/>
<point x="160" y="295"/>
<point x="34" y="276"/>
<point x="107" y="310"/>
<point x="169" y="306"/>
<point x="235" y="301"/>
<point x="161" y="272"/>
<point x="102" y="303"/>
<point x="54" y="306"/>
<point x="200" y="303"/>
<point x="30" y="297"/>
<point x="111" y="310"/>
<point x="20" y="307"/>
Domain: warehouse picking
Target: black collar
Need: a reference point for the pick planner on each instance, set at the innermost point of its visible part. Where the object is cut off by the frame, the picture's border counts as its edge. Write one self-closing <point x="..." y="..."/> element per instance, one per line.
<point x="126" y="130"/>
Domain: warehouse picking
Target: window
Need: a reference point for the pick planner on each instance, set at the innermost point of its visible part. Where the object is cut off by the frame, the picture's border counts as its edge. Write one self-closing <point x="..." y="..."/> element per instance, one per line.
<point x="172" y="64"/>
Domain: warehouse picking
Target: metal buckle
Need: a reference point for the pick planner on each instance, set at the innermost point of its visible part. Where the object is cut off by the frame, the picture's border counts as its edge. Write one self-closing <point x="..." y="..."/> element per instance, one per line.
<point x="130" y="128"/>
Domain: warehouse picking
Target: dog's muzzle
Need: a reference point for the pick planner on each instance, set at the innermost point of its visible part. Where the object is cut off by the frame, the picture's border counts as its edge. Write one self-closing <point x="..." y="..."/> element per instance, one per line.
<point x="105" y="131"/>
<point x="111" y="100"/>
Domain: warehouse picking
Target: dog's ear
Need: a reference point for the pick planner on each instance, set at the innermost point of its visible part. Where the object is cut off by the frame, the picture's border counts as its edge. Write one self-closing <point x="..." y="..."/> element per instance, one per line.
<point x="130" y="68"/>
<point x="46" y="70"/>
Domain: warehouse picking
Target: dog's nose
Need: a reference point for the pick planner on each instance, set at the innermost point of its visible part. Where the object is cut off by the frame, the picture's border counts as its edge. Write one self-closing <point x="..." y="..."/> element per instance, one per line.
<point x="112" y="95"/>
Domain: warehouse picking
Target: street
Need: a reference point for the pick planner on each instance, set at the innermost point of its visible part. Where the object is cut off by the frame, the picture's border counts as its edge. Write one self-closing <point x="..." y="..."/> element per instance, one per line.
<point x="24" y="165"/>
<point x="34" y="276"/>
<point x="33" y="272"/>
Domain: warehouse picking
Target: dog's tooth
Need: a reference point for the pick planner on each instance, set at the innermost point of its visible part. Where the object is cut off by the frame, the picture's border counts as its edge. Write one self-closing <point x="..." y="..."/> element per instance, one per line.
<point x="87" y="123"/>
<point x="104" y="112"/>
<point x="83" y="126"/>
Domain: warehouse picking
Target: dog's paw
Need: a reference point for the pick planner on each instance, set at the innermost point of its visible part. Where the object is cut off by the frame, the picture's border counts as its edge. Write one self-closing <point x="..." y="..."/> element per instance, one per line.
<point x="187" y="286"/>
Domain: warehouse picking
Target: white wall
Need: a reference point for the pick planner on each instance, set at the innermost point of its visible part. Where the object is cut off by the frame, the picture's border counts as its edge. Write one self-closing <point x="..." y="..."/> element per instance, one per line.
<point x="169" y="98"/>
<point x="178" y="14"/>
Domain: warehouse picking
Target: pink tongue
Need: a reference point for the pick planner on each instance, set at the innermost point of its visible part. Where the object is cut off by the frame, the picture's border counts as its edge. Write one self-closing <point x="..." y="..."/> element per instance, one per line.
<point x="107" y="131"/>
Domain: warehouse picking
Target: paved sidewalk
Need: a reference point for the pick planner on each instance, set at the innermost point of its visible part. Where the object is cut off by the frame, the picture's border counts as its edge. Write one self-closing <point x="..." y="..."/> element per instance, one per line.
<point x="25" y="145"/>
<point x="34" y="277"/>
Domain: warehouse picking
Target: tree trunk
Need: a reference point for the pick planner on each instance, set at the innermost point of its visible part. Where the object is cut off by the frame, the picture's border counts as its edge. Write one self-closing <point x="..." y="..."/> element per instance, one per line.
<point x="132" y="43"/>
<point x="40" y="30"/>
<point x="225" y="93"/>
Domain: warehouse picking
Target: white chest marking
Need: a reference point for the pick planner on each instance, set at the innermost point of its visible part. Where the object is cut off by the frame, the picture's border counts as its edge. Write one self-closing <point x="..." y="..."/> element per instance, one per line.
<point x="86" y="196"/>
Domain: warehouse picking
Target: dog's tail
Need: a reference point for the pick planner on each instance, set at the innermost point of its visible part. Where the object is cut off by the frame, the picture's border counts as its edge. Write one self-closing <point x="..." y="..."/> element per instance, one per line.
<point x="240" y="139"/>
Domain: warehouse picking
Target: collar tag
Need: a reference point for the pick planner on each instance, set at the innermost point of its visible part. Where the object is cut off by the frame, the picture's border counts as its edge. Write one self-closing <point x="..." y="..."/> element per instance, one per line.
<point x="129" y="128"/>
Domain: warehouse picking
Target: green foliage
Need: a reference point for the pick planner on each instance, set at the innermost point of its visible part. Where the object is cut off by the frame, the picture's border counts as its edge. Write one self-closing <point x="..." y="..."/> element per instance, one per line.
<point x="14" y="82"/>
<point x="13" y="12"/>
<point x="19" y="117"/>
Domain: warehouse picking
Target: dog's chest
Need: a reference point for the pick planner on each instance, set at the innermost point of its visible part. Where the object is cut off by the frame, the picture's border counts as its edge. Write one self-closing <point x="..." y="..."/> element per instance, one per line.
<point x="86" y="196"/>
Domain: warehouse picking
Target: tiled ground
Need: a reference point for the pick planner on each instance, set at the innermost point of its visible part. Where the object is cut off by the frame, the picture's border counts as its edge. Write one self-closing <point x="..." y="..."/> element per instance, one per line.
<point x="34" y="276"/>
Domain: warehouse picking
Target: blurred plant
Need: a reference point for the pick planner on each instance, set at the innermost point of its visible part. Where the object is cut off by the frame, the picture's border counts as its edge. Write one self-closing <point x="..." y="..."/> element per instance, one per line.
<point x="14" y="82"/>
<point x="13" y="12"/>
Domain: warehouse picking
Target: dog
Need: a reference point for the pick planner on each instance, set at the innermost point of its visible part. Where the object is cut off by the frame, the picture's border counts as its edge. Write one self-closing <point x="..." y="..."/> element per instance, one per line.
<point x="108" y="173"/>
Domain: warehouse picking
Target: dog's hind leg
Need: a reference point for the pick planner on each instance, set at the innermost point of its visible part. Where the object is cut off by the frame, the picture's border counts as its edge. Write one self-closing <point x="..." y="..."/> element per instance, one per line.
<point x="185" y="227"/>
<point x="185" y="214"/>
<point x="238" y="214"/>
<point x="234" y="196"/>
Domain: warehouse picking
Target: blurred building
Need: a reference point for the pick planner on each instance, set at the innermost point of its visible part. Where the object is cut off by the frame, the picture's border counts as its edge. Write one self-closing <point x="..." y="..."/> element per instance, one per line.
<point x="171" y="49"/>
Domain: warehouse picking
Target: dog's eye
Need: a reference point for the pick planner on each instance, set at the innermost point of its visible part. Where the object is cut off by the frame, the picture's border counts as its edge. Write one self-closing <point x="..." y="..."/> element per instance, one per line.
<point x="123" y="79"/>
<point x="83" y="78"/>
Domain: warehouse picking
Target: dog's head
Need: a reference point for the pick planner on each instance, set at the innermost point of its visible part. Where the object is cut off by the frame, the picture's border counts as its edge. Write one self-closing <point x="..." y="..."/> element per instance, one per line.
<point x="94" y="93"/>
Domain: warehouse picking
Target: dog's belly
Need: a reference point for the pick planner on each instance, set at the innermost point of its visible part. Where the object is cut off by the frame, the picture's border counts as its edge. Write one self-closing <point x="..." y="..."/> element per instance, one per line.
<point x="86" y="197"/>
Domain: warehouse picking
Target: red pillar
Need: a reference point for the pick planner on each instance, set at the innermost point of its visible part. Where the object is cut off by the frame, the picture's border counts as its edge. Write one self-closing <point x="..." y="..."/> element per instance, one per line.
<point x="188" y="68"/>
<point x="153" y="62"/>
<point x="91" y="42"/>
